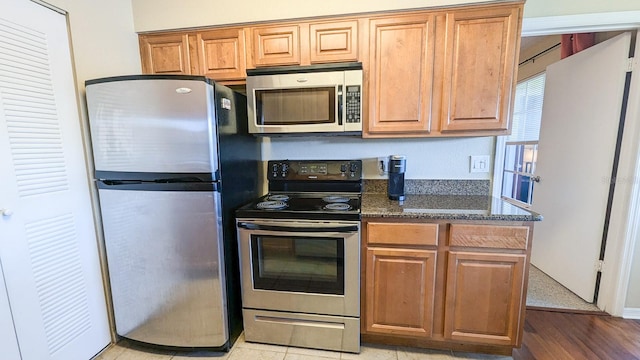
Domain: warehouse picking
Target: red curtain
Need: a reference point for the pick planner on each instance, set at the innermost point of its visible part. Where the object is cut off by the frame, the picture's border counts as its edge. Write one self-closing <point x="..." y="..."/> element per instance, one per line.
<point x="573" y="43"/>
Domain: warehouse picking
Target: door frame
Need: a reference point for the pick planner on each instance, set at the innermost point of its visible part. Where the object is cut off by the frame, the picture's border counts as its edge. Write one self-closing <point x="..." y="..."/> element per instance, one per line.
<point x="624" y="227"/>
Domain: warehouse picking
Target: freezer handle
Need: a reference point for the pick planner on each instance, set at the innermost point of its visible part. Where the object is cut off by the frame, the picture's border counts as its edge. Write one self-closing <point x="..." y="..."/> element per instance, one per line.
<point x="157" y="186"/>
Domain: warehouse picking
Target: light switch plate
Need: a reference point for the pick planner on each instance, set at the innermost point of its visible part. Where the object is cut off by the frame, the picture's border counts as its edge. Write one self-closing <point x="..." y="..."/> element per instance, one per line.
<point x="479" y="164"/>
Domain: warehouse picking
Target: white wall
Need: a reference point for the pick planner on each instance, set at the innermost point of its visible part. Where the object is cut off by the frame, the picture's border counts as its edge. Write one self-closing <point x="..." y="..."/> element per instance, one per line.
<point x="426" y="158"/>
<point x="103" y="39"/>
<point x="170" y="14"/>
<point x="633" y="292"/>
<point x="153" y="15"/>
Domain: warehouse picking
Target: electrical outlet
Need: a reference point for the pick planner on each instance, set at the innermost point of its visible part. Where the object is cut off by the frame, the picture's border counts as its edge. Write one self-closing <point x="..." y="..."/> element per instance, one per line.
<point x="479" y="164"/>
<point x="383" y="165"/>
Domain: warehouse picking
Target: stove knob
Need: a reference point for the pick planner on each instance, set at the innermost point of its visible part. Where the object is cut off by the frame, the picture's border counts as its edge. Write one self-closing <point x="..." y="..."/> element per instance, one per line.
<point x="353" y="167"/>
<point x="274" y="167"/>
<point x="343" y="168"/>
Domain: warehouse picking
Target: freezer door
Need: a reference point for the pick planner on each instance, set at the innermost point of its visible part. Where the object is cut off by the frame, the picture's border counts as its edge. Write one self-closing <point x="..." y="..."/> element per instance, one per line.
<point x="164" y="254"/>
<point x="153" y="125"/>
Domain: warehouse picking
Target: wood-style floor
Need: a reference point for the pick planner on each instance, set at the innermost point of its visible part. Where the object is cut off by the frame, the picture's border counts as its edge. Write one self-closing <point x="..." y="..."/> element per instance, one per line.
<point x="557" y="336"/>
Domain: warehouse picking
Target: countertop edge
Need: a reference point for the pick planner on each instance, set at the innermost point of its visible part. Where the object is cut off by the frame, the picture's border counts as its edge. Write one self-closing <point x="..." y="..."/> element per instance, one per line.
<point x="436" y="216"/>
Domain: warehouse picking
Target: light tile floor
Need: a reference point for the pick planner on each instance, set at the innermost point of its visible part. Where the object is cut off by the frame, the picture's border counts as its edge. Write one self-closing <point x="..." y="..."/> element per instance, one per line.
<point x="243" y="350"/>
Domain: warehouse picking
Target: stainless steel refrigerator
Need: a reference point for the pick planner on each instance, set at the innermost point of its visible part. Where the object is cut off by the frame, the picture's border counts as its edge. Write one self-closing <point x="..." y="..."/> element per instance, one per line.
<point x="173" y="160"/>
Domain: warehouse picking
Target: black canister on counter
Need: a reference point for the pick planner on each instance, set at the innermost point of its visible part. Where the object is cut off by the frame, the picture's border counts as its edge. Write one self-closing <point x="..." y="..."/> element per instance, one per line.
<point x="395" y="185"/>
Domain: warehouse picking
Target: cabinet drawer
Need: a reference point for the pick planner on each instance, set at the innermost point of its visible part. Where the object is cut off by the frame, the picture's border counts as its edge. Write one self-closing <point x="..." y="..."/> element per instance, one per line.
<point x="489" y="236"/>
<point x="402" y="234"/>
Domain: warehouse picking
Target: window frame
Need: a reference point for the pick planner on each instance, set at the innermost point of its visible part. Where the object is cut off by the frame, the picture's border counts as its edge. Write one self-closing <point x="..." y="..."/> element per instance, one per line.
<point x="499" y="158"/>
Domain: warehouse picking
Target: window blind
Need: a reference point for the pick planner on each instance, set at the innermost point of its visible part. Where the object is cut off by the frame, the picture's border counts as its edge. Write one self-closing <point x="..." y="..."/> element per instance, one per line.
<point x="528" y="109"/>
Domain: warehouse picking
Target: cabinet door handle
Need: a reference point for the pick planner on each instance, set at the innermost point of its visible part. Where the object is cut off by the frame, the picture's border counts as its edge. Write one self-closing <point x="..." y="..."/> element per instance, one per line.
<point x="6" y="212"/>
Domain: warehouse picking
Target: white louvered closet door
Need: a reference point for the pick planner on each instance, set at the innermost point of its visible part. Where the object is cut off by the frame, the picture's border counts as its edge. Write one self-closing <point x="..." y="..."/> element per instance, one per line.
<point x="48" y="247"/>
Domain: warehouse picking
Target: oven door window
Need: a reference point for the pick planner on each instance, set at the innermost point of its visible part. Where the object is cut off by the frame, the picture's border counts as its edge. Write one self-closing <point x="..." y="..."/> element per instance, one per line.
<point x="296" y="106"/>
<point x="298" y="264"/>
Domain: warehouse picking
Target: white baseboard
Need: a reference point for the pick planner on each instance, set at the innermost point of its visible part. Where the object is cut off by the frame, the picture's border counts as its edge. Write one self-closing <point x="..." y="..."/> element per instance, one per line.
<point x="631" y="313"/>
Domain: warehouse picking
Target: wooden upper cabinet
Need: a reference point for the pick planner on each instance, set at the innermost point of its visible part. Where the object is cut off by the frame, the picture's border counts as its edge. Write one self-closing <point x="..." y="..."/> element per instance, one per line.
<point x="276" y="45"/>
<point x="480" y="68"/>
<point x="165" y="54"/>
<point x="221" y="54"/>
<point x="484" y="297"/>
<point x="333" y="41"/>
<point x="401" y="60"/>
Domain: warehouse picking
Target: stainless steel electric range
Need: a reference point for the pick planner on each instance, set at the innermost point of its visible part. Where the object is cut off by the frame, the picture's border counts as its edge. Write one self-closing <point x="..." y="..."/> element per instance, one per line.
<point x="300" y="256"/>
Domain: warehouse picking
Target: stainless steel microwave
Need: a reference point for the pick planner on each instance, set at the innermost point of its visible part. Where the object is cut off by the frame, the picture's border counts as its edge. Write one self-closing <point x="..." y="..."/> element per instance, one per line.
<point x="316" y="99"/>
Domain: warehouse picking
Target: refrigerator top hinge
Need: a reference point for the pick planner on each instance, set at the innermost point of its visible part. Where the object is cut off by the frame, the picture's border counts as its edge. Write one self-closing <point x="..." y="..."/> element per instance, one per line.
<point x="599" y="265"/>
<point x="630" y="64"/>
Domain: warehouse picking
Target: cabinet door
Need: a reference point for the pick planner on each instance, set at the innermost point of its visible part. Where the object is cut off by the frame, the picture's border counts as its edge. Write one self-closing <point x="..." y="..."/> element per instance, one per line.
<point x="401" y="74"/>
<point x="484" y="297"/>
<point x="221" y="54"/>
<point x="165" y="54"/>
<point x="400" y="291"/>
<point x="276" y="45"/>
<point x="333" y="41"/>
<point x="481" y="48"/>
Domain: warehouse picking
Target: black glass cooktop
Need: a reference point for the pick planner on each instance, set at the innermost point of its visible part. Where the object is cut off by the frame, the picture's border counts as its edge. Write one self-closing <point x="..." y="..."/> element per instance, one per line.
<point x="312" y="206"/>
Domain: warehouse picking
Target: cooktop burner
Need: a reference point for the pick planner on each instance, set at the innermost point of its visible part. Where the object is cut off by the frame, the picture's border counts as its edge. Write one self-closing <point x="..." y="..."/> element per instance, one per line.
<point x="278" y="197"/>
<point x="271" y="205"/>
<point x="338" y="206"/>
<point x="335" y="199"/>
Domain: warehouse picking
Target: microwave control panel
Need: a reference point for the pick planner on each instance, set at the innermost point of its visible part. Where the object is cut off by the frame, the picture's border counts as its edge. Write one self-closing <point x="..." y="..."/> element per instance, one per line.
<point x="353" y="104"/>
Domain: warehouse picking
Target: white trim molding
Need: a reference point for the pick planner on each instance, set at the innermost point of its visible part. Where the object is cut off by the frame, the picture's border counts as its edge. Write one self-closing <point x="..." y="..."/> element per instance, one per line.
<point x="50" y="7"/>
<point x="610" y="21"/>
<point x="631" y="313"/>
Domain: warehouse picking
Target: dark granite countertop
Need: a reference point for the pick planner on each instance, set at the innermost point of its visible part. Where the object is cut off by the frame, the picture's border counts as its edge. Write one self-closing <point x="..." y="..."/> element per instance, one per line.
<point x="452" y="207"/>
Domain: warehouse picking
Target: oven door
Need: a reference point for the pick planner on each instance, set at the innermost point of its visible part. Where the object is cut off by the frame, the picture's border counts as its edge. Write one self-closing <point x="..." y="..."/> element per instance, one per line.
<point x="300" y="266"/>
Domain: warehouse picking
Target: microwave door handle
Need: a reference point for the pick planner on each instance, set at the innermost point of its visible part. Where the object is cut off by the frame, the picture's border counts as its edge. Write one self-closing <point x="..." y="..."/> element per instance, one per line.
<point x="340" y="101"/>
<point x="338" y="229"/>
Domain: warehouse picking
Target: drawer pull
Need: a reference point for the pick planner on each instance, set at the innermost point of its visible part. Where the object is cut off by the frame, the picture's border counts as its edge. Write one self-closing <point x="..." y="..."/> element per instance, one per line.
<point x="299" y="322"/>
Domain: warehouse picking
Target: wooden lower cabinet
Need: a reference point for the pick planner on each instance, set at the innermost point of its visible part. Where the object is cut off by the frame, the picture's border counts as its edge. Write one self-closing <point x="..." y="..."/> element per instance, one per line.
<point x="399" y="291"/>
<point x="445" y="284"/>
<point x="484" y="297"/>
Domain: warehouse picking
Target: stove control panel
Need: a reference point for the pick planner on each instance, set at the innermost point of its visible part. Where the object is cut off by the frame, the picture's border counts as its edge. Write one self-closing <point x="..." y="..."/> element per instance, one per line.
<point x="315" y="170"/>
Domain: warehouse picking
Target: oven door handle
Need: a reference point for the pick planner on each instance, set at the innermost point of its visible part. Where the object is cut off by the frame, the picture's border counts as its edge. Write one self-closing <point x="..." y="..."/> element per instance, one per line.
<point x="339" y="229"/>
